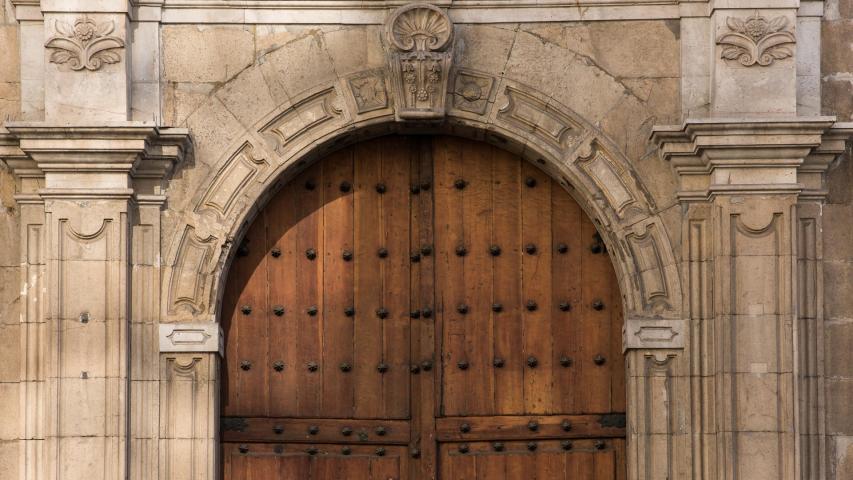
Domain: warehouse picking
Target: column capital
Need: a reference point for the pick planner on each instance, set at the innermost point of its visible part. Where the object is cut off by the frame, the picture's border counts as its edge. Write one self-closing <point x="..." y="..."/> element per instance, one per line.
<point x="119" y="159"/>
<point x="752" y="156"/>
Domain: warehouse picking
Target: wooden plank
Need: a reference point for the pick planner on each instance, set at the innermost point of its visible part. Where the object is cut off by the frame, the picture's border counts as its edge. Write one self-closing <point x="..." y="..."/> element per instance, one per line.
<point x="368" y="295"/>
<point x="604" y="465"/>
<point x="536" y="287"/>
<point x="262" y="468"/>
<point x="383" y="468"/>
<point x="338" y="385"/>
<point x="566" y="282"/>
<point x="517" y="427"/>
<point x="424" y="405"/>
<point x="595" y="328"/>
<point x="521" y="465"/>
<point x="281" y="290"/>
<point x="309" y="292"/>
<point x="457" y="466"/>
<point x="252" y="395"/>
<point x="509" y="380"/>
<point x="491" y="467"/>
<point x="579" y="465"/>
<point x="449" y="273"/>
<point x="550" y="465"/>
<point x="477" y="277"/>
<point x="295" y="466"/>
<point x="618" y="366"/>
<point x="263" y="429"/>
<point x="396" y="215"/>
<point x="231" y="332"/>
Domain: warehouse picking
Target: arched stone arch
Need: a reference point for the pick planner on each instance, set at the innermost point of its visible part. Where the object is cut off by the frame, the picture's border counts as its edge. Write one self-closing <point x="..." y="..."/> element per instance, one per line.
<point x="512" y="115"/>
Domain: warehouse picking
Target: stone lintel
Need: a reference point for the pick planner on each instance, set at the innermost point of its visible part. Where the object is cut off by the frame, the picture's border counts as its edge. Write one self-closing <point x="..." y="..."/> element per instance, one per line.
<point x="746" y="156"/>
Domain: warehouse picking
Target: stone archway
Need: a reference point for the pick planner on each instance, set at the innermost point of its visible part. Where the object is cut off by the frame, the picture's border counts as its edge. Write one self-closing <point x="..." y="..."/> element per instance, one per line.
<point x="206" y="232"/>
<point x="238" y="166"/>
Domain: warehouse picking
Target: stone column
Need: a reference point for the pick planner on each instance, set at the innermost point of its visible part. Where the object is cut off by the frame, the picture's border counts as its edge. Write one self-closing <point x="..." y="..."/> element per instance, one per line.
<point x="751" y="243"/>
<point x="89" y="187"/>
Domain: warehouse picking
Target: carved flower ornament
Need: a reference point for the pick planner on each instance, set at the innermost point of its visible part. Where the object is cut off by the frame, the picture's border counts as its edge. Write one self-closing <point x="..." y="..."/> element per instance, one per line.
<point x="756" y="40"/>
<point x="85" y="45"/>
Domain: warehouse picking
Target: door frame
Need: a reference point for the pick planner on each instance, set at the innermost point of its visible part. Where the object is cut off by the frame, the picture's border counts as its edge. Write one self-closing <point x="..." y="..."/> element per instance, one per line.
<point x="586" y="163"/>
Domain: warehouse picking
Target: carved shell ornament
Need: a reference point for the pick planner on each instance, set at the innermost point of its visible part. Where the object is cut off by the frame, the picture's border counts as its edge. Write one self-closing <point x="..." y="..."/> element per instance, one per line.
<point x="420" y="27"/>
<point x="756" y="40"/>
<point x="86" y="44"/>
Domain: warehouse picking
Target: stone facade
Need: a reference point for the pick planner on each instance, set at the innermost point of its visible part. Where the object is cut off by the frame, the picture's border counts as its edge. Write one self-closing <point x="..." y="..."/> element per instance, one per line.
<point x="707" y="139"/>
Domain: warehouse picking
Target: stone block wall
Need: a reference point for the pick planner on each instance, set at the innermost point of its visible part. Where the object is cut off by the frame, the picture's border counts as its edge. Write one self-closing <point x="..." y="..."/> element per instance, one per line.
<point x="10" y="358"/>
<point x="837" y="99"/>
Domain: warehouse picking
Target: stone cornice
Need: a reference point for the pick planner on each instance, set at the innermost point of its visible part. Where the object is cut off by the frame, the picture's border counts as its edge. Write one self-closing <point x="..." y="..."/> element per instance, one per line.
<point x="86" y="159"/>
<point x="744" y="156"/>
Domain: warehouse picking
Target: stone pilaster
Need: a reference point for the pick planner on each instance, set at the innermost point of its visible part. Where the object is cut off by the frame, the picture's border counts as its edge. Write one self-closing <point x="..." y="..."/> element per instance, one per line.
<point x="87" y="60"/>
<point x="751" y="246"/>
<point x="93" y="196"/>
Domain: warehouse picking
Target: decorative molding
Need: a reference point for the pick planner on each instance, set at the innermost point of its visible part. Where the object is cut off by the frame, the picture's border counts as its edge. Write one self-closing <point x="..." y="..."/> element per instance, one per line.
<point x="190" y="337"/>
<point x="611" y="181"/>
<point x="472" y="91"/>
<point x="239" y="170"/>
<point x="538" y="117"/>
<point x="653" y="333"/>
<point x="304" y="115"/>
<point x="756" y="40"/>
<point x="189" y="280"/>
<point x="86" y="45"/>
<point x="368" y="91"/>
<point x="420" y="36"/>
<point x="650" y="268"/>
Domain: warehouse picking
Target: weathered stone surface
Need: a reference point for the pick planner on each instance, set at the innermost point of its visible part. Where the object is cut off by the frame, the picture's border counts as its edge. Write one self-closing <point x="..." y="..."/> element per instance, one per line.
<point x="839" y="391"/>
<point x="206" y="53"/>
<point x="839" y="354"/>
<point x="837" y="277"/>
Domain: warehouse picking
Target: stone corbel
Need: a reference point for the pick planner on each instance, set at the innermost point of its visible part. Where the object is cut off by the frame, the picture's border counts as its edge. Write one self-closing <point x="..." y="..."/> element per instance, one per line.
<point x="420" y="39"/>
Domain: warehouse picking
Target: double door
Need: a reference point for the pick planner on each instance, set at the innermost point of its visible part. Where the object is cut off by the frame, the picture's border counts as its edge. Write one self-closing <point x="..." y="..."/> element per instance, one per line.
<point x="420" y="308"/>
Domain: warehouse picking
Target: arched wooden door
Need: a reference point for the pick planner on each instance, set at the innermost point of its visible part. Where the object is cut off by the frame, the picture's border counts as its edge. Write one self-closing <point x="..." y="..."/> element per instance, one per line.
<point x="418" y="308"/>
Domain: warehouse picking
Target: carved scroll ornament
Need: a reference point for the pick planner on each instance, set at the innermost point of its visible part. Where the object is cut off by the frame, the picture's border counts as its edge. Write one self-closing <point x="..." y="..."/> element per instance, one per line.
<point x="86" y="45"/>
<point x="756" y="40"/>
<point x="420" y="36"/>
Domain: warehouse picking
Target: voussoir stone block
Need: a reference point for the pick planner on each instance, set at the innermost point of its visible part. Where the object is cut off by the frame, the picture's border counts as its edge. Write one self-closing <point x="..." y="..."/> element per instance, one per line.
<point x="206" y="53"/>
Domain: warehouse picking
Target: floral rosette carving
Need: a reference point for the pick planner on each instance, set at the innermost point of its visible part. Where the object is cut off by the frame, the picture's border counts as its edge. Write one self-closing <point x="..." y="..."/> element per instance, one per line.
<point x="756" y="40"/>
<point x="420" y="35"/>
<point x="85" y="45"/>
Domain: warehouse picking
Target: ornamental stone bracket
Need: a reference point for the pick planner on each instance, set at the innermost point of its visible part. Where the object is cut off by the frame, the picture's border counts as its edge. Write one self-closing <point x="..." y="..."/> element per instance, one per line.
<point x="191" y="337"/>
<point x="419" y="37"/>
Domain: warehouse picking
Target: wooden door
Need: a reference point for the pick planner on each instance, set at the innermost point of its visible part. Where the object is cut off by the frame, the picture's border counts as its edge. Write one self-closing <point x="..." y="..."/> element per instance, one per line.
<point x="421" y="308"/>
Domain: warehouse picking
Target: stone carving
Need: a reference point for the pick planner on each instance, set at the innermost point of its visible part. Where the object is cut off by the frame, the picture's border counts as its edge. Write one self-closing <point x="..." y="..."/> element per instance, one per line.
<point x="612" y="180"/>
<point x="232" y="178"/>
<point x="471" y="92"/>
<point x="368" y="90"/>
<point x="756" y="40"/>
<point x="650" y="268"/>
<point x="420" y="34"/>
<point x="189" y="278"/>
<point x="537" y="117"/>
<point x="304" y="115"/>
<point x="190" y="337"/>
<point x="86" y="45"/>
